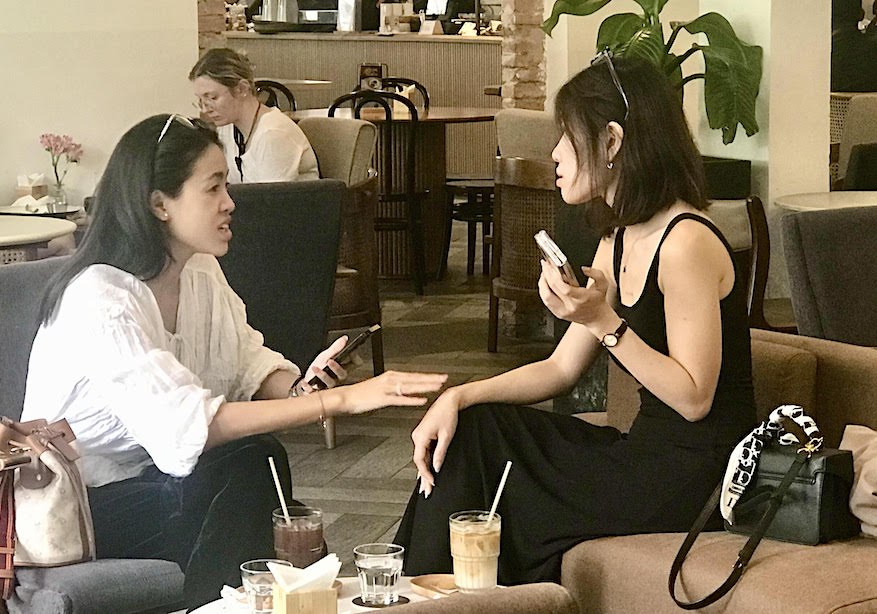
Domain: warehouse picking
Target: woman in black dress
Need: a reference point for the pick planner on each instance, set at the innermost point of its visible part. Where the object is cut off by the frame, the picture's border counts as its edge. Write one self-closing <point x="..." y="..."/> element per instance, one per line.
<point x="663" y="299"/>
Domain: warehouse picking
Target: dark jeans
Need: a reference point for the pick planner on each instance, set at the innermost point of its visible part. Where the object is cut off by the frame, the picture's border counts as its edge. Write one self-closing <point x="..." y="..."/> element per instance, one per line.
<point x="208" y="522"/>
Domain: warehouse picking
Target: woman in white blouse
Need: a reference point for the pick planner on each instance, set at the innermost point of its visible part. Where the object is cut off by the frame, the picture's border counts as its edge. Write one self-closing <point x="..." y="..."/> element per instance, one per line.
<point x="261" y="143"/>
<point x="145" y="350"/>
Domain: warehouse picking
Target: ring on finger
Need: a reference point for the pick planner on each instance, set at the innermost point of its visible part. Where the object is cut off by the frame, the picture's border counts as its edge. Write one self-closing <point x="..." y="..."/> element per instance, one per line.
<point x="399" y="389"/>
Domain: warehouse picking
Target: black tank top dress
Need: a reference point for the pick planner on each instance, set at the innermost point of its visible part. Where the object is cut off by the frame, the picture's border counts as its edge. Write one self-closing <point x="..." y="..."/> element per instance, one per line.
<point x="571" y="481"/>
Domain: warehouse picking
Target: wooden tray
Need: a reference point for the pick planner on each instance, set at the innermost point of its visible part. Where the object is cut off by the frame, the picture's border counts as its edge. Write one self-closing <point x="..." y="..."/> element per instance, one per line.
<point x="434" y="585"/>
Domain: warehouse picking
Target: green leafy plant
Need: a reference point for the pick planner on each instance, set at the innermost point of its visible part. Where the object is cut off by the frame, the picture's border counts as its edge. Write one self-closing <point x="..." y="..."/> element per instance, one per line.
<point x="732" y="67"/>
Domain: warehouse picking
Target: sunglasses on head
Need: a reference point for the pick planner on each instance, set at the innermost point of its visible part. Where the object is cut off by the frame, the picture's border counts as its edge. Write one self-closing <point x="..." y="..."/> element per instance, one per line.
<point x="175" y="117"/>
<point x="606" y="56"/>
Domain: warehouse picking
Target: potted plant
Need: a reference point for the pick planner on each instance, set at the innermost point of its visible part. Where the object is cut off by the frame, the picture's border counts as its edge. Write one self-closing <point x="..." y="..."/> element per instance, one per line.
<point x="731" y="77"/>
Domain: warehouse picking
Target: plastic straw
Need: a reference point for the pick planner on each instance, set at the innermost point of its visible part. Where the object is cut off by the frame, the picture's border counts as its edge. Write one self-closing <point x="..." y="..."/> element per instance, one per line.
<point x="505" y="474"/>
<point x="279" y="489"/>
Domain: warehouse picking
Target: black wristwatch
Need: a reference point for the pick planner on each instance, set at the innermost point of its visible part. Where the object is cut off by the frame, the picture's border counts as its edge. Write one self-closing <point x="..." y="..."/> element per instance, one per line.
<point x="610" y="340"/>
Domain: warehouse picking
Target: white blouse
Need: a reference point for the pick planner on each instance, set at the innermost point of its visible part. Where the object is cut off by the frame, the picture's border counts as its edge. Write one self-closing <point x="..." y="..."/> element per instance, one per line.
<point x="278" y="151"/>
<point x="133" y="393"/>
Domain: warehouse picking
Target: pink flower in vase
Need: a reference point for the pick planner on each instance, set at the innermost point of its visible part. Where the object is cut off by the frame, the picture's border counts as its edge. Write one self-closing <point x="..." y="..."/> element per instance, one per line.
<point x="58" y="147"/>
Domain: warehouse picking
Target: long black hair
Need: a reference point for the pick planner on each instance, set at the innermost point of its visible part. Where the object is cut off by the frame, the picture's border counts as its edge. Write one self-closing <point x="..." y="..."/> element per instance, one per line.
<point x="124" y="232"/>
<point x="658" y="162"/>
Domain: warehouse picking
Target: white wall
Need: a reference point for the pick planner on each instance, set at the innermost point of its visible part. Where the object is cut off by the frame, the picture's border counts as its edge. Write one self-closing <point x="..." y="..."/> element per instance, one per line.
<point x="790" y="152"/>
<point x="90" y="69"/>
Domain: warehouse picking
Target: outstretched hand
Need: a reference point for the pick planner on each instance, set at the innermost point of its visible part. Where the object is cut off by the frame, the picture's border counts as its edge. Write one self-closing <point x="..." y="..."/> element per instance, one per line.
<point x="439" y="425"/>
<point x="390" y="388"/>
<point x="572" y="303"/>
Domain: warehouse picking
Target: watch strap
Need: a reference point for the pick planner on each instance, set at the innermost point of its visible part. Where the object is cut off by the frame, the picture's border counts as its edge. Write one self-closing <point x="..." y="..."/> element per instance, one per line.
<point x="622" y="328"/>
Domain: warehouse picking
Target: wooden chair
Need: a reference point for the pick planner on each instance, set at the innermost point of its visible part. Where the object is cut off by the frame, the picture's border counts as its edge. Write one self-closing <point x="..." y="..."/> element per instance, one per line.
<point x="744" y="225"/>
<point x="769" y="314"/>
<point x="526" y="200"/>
<point x="344" y="150"/>
<point x="269" y="92"/>
<point x="477" y="208"/>
<point x="401" y="203"/>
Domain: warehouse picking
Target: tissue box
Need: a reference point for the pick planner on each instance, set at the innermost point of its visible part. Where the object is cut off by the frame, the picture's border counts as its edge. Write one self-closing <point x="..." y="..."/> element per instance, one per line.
<point x="37" y="191"/>
<point x="305" y="602"/>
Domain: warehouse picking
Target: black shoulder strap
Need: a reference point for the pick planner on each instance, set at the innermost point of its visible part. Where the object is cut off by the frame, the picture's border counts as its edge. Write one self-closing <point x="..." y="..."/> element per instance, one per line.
<point x="616" y="255"/>
<point x="746" y="553"/>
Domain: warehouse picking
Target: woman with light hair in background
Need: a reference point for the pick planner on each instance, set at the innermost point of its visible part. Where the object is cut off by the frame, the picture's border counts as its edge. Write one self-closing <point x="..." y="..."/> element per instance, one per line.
<point x="261" y="143"/>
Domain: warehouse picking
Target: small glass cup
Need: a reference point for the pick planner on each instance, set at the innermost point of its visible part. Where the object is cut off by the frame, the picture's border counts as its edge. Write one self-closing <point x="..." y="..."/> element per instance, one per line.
<point x="300" y="541"/>
<point x="475" y="549"/>
<point x="259" y="584"/>
<point x="378" y="567"/>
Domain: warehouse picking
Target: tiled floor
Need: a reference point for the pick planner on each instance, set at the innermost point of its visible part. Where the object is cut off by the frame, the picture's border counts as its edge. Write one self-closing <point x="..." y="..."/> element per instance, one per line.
<point x="363" y="484"/>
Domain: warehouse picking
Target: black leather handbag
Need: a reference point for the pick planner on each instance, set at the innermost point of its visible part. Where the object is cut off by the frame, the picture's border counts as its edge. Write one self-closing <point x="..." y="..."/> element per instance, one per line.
<point x="815" y="509"/>
<point x="800" y="494"/>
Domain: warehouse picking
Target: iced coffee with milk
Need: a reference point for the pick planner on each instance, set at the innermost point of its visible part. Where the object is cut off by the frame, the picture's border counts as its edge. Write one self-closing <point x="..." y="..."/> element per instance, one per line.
<point x="475" y="549"/>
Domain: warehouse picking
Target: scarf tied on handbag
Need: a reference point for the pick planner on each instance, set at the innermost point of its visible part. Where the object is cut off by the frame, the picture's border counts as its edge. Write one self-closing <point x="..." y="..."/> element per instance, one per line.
<point x="743" y="462"/>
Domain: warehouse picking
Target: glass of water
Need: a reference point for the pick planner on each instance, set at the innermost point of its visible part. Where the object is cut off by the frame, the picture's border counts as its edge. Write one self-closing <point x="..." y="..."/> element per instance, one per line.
<point x="379" y="567"/>
<point x="259" y="584"/>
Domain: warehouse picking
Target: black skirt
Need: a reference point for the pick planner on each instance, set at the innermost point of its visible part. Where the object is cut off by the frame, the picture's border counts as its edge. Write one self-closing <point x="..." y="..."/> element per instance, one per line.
<point x="570" y="481"/>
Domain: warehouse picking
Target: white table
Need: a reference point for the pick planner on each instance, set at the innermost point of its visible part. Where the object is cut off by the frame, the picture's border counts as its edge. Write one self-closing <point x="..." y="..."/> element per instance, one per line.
<point x="349" y="590"/>
<point x="826" y="200"/>
<point x="21" y="235"/>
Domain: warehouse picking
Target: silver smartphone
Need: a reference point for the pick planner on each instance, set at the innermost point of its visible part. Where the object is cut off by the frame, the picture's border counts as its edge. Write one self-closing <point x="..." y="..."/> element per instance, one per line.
<point x="555" y="256"/>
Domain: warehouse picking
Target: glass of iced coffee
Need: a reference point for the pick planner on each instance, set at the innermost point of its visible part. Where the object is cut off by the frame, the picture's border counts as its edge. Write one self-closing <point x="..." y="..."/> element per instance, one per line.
<point x="475" y="549"/>
<point x="299" y="540"/>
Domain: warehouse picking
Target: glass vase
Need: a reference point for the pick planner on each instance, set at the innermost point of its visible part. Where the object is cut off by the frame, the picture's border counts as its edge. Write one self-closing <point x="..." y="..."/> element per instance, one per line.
<point x="57" y="202"/>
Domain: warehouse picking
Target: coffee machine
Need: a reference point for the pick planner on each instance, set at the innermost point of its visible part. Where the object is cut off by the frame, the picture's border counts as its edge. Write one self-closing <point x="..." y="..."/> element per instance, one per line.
<point x="317" y="15"/>
<point x="279" y="11"/>
<point x="318" y="11"/>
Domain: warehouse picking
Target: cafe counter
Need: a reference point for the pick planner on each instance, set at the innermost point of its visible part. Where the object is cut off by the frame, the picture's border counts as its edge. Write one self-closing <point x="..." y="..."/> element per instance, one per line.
<point x="454" y="70"/>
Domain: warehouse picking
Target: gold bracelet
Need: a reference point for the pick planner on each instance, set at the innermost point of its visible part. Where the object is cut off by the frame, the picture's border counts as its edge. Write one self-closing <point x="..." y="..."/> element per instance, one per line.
<point x="321" y="420"/>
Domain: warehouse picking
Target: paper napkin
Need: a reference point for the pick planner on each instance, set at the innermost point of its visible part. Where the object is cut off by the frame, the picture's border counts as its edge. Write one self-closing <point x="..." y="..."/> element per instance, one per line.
<point x="318" y="576"/>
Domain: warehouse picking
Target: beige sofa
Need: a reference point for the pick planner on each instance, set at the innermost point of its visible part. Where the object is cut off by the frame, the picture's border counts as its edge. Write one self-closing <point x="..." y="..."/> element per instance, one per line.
<point x="837" y="384"/>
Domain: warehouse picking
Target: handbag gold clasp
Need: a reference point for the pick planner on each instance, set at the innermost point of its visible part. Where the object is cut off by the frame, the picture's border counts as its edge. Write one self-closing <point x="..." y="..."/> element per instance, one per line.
<point x="812" y="446"/>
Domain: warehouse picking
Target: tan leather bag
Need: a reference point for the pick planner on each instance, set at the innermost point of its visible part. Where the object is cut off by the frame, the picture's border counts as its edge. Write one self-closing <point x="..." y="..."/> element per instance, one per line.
<point x="51" y="516"/>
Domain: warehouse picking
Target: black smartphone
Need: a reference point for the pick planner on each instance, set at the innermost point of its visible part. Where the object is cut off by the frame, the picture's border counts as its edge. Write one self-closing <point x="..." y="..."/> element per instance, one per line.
<point x="555" y="256"/>
<point x="346" y="352"/>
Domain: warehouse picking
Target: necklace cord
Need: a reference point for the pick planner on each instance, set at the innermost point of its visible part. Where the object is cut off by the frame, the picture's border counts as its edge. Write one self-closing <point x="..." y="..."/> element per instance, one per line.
<point x="242" y="143"/>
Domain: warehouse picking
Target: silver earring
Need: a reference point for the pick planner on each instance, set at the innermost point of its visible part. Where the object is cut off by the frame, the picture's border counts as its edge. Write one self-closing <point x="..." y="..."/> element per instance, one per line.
<point x="610" y="165"/>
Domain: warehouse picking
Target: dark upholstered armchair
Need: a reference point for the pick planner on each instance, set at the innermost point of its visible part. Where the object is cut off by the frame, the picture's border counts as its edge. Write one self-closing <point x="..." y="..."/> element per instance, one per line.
<point x="281" y="261"/>
<point x="110" y="585"/>
<point x="830" y="256"/>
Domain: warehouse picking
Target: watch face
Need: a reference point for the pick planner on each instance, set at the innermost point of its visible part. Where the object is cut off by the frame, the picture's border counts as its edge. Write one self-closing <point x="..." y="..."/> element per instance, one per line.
<point x="610" y="340"/>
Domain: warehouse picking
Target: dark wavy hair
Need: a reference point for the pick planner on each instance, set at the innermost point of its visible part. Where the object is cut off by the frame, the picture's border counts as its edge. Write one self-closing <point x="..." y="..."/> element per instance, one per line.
<point x="124" y="232"/>
<point x="658" y="162"/>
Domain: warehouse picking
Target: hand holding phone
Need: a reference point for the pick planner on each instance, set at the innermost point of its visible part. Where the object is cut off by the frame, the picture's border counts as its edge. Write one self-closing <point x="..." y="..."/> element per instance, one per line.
<point x="555" y="256"/>
<point x="344" y="355"/>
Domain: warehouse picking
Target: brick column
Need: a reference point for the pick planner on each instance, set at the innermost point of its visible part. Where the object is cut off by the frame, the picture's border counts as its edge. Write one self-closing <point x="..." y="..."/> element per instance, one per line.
<point x="523" y="55"/>
<point x="211" y="24"/>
